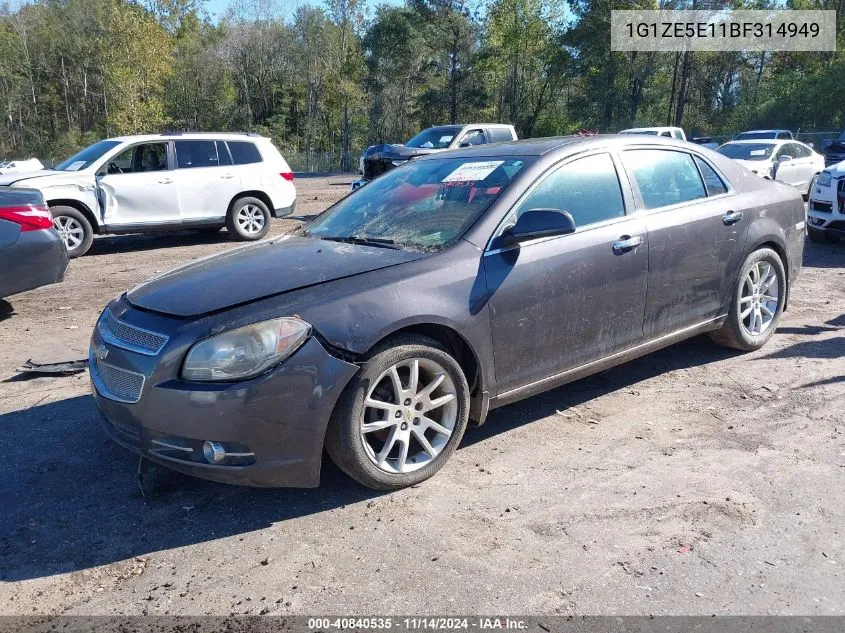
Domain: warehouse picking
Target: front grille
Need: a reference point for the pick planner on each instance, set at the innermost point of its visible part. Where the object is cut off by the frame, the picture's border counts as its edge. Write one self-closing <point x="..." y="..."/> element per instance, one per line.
<point x="131" y="337"/>
<point x="119" y="384"/>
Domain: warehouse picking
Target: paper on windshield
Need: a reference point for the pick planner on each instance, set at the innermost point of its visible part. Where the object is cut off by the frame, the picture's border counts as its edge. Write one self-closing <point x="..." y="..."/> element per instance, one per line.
<point x="446" y="139"/>
<point x="757" y="152"/>
<point x="76" y="165"/>
<point x="473" y="171"/>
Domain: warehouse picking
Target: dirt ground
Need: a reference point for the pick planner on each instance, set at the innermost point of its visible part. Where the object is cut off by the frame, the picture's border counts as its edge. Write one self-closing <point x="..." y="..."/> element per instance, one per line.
<point x="692" y="481"/>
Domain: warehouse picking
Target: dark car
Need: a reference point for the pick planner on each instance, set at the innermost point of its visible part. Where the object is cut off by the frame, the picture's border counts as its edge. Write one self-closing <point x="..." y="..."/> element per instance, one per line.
<point x="455" y="284"/>
<point x="379" y="159"/>
<point x="31" y="252"/>
<point x="834" y="151"/>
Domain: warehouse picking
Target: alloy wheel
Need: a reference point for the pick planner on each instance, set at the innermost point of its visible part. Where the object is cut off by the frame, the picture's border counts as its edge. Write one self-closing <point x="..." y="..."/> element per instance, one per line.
<point x="410" y="412"/>
<point x="250" y="219"/>
<point x="759" y="297"/>
<point x="70" y="230"/>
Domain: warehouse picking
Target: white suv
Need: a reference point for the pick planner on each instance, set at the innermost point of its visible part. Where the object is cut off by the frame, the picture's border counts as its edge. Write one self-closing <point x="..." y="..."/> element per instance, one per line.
<point x="164" y="182"/>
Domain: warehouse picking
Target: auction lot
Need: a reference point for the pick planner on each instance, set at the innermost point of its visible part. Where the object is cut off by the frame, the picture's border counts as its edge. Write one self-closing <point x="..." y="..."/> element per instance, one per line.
<point x="696" y="480"/>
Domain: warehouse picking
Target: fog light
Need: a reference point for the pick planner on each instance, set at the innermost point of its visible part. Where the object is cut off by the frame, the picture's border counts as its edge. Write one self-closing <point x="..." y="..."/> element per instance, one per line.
<point x="213" y="452"/>
<point x="817" y="221"/>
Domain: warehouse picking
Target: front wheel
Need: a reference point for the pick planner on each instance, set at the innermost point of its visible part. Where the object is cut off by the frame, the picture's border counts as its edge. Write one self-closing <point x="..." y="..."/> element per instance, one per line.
<point x="402" y="417"/>
<point x="757" y="303"/>
<point x="248" y="219"/>
<point x="74" y="229"/>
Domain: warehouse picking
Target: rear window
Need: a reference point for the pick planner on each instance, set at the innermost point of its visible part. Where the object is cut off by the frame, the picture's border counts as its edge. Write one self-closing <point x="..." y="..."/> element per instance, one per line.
<point x="191" y="154"/>
<point x="500" y="135"/>
<point x="244" y="153"/>
<point x="664" y="177"/>
<point x="712" y="182"/>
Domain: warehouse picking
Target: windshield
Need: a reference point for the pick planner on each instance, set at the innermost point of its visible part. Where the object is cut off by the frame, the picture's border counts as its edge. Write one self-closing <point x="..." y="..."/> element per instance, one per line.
<point x="434" y="137"/>
<point x="424" y="205"/>
<point x="754" y="136"/>
<point x="88" y="156"/>
<point x="746" y="151"/>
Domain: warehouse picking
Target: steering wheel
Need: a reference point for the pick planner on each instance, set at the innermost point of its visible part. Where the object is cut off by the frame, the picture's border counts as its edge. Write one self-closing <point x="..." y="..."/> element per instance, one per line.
<point x="114" y="168"/>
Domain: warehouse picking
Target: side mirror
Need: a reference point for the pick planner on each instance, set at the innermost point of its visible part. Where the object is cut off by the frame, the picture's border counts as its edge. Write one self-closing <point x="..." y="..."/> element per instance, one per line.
<point x="465" y="144"/>
<point x="536" y="223"/>
<point x="784" y="158"/>
<point x="811" y="145"/>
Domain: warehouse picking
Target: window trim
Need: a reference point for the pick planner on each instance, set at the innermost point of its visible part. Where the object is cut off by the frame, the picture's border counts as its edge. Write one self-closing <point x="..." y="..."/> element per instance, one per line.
<point x="640" y="205"/>
<point x="168" y="156"/>
<point x="621" y="176"/>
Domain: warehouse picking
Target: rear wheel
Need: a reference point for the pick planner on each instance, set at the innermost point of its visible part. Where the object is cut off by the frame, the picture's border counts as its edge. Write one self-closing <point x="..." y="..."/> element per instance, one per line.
<point x="248" y="219"/>
<point x="402" y="417"/>
<point x="757" y="303"/>
<point x="821" y="237"/>
<point x="74" y="229"/>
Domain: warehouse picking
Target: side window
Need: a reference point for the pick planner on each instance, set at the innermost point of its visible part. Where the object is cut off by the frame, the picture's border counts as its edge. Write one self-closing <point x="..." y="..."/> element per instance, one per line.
<point x="500" y="134"/>
<point x="243" y="152"/>
<point x="801" y="151"/>
<point x="588" y="188"/>
<point x="677" y="134"/>
<point x="783" y="135"/>
<point x="223" y="154"/>
<point x="666" y="133"/>
<point x="712" y="182"/>
<point x="191" y="154"/>
<point x="473" y="137"/>
<point x="139" y="158"/>
<point x="664" y="177"/>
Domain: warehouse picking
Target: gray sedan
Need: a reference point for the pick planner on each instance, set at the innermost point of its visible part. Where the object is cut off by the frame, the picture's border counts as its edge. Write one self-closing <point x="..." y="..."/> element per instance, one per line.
<point x="450" y="286"/>
<point x="31" y="252"/>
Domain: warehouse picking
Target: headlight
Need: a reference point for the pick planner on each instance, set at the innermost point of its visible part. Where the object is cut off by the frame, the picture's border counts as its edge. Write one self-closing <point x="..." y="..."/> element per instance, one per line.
<point x="246" y="351"/>
<point x="824" y="179"/>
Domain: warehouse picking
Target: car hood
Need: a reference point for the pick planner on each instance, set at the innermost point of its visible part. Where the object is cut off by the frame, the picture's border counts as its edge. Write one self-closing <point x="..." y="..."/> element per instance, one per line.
<point x="396" y="152"/>
<point x="258" y="271"/>
<point x="40" y="178"/>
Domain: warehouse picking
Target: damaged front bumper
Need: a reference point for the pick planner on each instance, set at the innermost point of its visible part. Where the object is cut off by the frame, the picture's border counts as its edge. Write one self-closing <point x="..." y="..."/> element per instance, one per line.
<point x="270" y="428"/>
<point x="826" y="207"/>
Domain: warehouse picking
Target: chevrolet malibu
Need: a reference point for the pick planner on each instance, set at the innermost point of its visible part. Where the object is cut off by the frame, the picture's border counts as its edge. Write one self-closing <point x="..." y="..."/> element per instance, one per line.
<point x="450" y="286"/>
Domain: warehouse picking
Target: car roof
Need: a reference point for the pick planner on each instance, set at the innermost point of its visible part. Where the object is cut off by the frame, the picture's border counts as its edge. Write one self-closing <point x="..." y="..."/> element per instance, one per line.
<point x="758" y="131"/>
<point x="762" y="141"/>
<point x="542" y="146"/>
<point x="141" y="138"/>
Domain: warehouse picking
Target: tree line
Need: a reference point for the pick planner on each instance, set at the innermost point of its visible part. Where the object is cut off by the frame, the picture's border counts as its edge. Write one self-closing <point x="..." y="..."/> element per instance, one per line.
<point x="326" y="80"/>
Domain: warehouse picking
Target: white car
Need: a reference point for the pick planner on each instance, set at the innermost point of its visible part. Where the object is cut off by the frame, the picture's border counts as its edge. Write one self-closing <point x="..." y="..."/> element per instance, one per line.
<point x="790" y="162"/>
<point x="162" y="182"/>
<point x="669" y="132"/>
<point x="826" y="211"/>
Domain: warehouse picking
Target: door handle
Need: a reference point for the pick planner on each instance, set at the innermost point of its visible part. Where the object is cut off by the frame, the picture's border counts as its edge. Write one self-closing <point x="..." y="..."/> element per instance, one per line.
<point x="731" y="217"/>
<point x="226" y="176"/>
<point x="626" y="243"/>
<point x="165" y="181"/>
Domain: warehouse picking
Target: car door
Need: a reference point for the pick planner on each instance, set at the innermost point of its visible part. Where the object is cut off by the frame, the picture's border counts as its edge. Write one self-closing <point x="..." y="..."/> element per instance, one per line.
<point x="205" y="179"/>
<point x="695" y="236"/>
<point x="805" y="164"/>
<point x="558" y="303"/>
<point x="135" y="188"/>
<point x="789" y="171"/>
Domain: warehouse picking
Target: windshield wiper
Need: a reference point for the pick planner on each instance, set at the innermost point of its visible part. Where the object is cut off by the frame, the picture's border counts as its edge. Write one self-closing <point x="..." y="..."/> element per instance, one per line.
<point x="364" y="241"/>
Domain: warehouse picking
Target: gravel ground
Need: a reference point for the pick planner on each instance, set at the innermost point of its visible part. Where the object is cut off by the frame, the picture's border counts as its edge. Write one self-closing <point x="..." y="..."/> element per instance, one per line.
<point x="692" y="481"/>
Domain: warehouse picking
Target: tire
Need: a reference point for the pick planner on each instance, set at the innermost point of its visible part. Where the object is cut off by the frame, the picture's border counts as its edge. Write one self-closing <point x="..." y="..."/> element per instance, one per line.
<point x="74" y="229"/>
<point x="248" y="219"/>
<point x="821" y="237"/>
<point x="737" y="332"/>
<point x="357" y="452"/>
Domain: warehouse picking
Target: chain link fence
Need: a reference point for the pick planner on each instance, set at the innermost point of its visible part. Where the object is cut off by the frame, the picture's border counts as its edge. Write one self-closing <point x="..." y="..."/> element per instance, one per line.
<point x="320" y="162"/>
